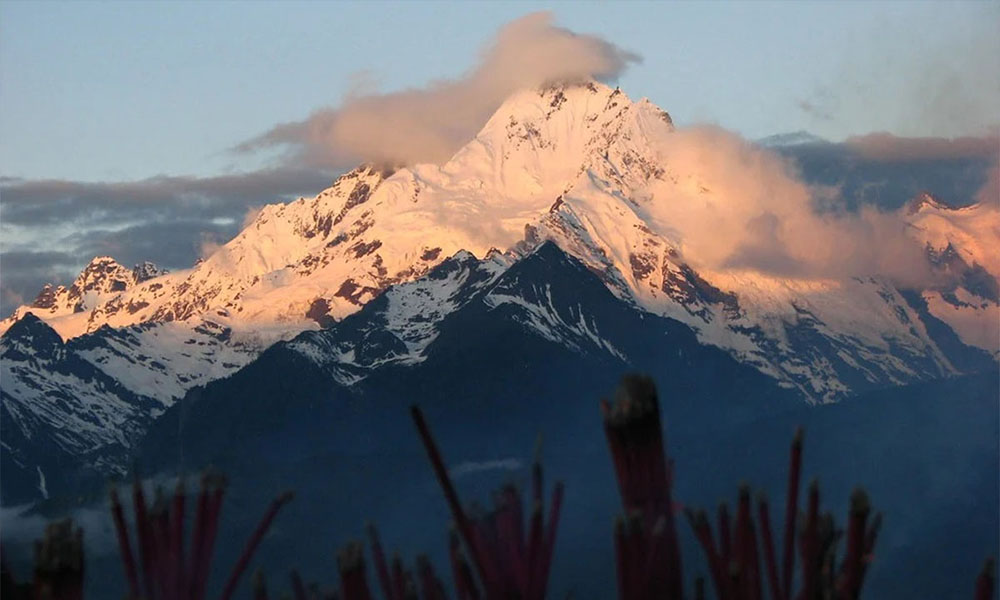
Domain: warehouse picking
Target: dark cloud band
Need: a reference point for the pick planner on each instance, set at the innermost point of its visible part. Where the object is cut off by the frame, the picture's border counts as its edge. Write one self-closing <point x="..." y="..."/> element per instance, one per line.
<point x="167" y="220"/>
<point x="50" y="201"/>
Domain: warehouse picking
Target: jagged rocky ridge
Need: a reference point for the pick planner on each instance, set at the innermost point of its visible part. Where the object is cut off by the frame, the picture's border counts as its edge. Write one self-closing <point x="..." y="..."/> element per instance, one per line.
<point x="101" y="280"/>
<point x="72" y="411"/>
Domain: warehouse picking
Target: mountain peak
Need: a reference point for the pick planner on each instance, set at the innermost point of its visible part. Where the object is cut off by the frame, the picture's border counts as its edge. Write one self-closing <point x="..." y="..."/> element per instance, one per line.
<point x="103" y="259"/>
<point x="378" y="225"/>
<point x="103" y="275"/>
<point x="575" y="97"/>
<point x="26" y="323"/>
<point x="46" y="298"/>
<point x="31" y="334"/>
<point x="579" y="164"/>
<point x="925" y="200"/>
<point x="102" y="280"/>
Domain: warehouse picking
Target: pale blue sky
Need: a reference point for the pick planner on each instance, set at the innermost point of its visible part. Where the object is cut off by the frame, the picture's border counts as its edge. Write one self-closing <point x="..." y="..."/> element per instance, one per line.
<point x="122" y="91"/>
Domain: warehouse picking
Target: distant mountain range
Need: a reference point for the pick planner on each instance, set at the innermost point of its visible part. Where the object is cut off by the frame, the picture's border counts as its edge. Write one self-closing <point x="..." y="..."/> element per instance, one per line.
<point x="545" y="242"/>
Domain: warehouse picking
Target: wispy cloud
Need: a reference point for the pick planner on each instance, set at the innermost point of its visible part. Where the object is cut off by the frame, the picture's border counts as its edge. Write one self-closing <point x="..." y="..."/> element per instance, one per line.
<point x="48" y="201"/>
<point x="163" y="219"/>
<point x="500" y="464"/>
<point x="431" y="123"/>
<point x="751" y="210"/>
<point x="814" y="109"/>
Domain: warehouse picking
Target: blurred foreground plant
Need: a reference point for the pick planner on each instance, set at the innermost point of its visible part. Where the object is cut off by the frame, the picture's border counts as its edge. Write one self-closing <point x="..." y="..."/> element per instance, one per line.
<point x="510" y="561"/>
<point x="511" y="553"/>
<point x="165" y="569"/>
<point x="648" y="558"/>
<point x="59" y="562"/>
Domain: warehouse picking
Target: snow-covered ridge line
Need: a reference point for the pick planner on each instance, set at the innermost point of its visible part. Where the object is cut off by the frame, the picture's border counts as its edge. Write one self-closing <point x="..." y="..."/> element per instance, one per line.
<point x="88" y="400"/>
<point x="581" y="165"/>
<point x="101" y="280"/>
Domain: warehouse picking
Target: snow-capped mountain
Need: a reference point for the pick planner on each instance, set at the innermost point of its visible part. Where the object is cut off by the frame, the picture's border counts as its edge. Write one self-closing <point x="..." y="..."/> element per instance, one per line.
<point x="74" y="410"/>
<point x="580" y="165"/>
<point x="962" y="242"/>
<point x="472" y="331"/>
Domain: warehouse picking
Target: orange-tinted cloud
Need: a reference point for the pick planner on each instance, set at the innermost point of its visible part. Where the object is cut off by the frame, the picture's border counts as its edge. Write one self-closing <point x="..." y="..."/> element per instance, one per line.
<point x="429" y="124"/>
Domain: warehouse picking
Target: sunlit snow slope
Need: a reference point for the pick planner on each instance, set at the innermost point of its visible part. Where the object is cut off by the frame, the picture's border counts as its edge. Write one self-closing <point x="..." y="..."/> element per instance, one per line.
<point x="584" y="166"/>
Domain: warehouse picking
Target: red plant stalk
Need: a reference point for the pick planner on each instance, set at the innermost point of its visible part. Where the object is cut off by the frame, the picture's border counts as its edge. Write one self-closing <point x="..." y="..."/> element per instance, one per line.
<point x="398" y="583"/>
<point x="736" y="570"/>
<point x="741" y="551"/>
<point x="465" y="587"/>
<point x="124" y="545"/>
<point x="749" y="558"/>
<point x="143" y="532"/>
<point x="717" y="568"/>
<point x="755" y="580"/>
<point x="409" y="586"/>
<point x="509" y="530"/>
<point x="545" y="562"/>
<point x="197" y="539"/>
<point x="699" y="588"/>
<point x="615" y="446"/>
<point x="253" y="542"/>
<point x="59" y="563"/>
<point x="178" y="576"/>
<point x="298" y="588"/>
<point x="809" y="545"/>
<point x="986" y="581"/>
<point x="493" y="583"/>
<point x="464" y="526"/>
<point x="536" y="473"/>
<point x="871" y="536"/>
<point x="655" y="554"/>
<point x="770" y="561"/>
<point x="259" y="585"/>
<point x="791" y="513"/>
<point x="205" y="529"/>
<point x="852" y="569"/>
<point x="381" y="567"/>
<point x="166" y="573"/>
<point x="534" y="542"/>
<point x="353" y="584"/>
<point x="509" y="564"/>
<point x="517" y="517"/>
<point x="214" y="512"/>
<point x="160" y="526"/>
<point x="623" y="561"/>
<point x="725" y="537"/>
<point x="431" y="587"/>
<point x="674" y="574"/>
<point x="652" y="566"/>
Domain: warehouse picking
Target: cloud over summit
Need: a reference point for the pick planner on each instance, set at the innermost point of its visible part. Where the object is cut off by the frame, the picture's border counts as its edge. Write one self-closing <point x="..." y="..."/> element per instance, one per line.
<point x="767" y="217"/>
<point x="431" y="123"/>
<point x="761" y="216"/>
